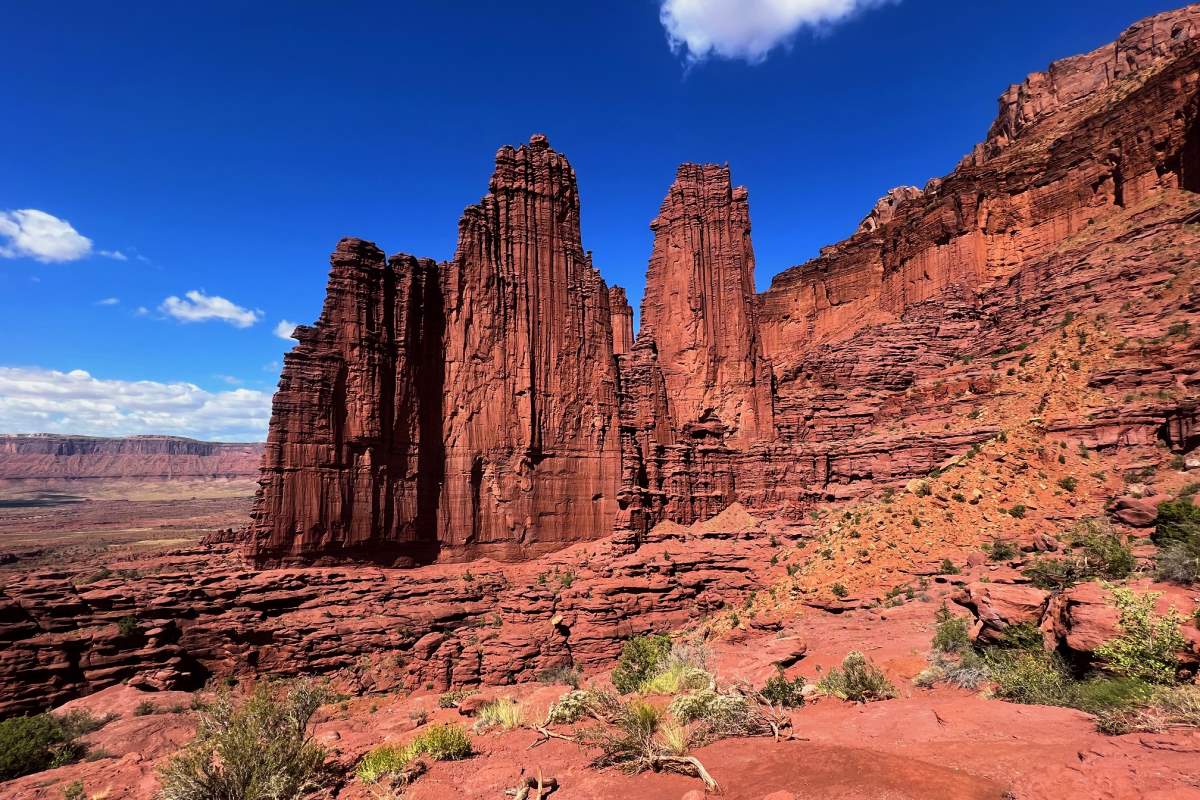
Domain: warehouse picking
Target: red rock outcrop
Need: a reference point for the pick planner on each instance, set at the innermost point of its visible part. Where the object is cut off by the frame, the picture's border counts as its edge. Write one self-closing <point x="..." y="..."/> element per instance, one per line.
<point x="354" y="452"/>
<point x="200" y="612"/>
<point x="861" y="369"/>
<point x="699" y="309"/>
<point x="622" y="321"/>
<point x="454" y="410"/>
<point x="530" y="417"/>
<point x="44" y="456"/>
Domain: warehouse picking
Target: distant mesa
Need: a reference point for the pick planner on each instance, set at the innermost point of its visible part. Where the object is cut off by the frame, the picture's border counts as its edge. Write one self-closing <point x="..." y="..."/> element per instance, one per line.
<point x="51" y="456"/>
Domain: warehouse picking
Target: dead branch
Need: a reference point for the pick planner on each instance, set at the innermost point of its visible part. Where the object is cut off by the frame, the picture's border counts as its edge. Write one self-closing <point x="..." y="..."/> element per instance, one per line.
<point x="532" y="788"/>
<point x="689" y="765"/>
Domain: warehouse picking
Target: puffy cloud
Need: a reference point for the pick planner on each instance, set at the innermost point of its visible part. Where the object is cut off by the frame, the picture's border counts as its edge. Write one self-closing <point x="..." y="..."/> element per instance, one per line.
<point x="748" y="29"/>
<point x="200" y="307"/>
<point x="284" y="329"/>
<point x="36" y="400"/>
<point x="108" y="301"/>
<point x="29" y="233"/>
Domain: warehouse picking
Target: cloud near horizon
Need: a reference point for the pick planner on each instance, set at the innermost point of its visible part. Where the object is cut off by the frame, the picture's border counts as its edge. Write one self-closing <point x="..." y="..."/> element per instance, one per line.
<point x="748" y="29"/>
<point x="200" y="307"/>
<point x="37" y="400"/>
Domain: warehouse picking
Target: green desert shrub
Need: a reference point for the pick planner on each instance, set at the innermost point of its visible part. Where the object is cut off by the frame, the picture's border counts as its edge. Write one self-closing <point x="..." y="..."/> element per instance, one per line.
<point x="438" y="743"/>
<point x="1179" y="562"/>
<point x="782" y="691"/>
<point x="452" y="698"/>
<point x="33" y="744"/>
<point x="1000" y="550"/>
<point x="570" y="708"/>
<point x="504" y="713"/>
<point x="1178" y="521"/>
<point x="1097" y="552"/>
<point x="710" y="705"/>
<point x="1148" y="643"/>
<point x="677" y="677"/>
<point x="1031" y="676"/>
<point x="642" y="657"/>
<point x="257" y="749"/>
<point x="858" y="680"/>
<point x="1105" y="694"/>
<point x="951" y="634"/>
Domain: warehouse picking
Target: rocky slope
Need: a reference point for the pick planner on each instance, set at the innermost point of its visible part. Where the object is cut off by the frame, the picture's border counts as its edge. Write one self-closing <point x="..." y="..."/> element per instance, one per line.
<point x="51" y="456"/>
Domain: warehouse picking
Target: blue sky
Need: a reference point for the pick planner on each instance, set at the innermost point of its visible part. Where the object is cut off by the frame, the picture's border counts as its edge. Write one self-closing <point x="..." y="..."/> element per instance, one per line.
<point x="222" y="149"/>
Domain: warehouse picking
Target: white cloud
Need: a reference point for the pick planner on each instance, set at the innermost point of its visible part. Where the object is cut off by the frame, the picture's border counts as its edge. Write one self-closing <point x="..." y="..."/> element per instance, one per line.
<point x="29" y="233"/>
<point x="748" y="29"/>
<point x="36" y="400"/>
<point x="200" y="307"/>
<point x="284" y="329"/>
<point x="116" y="255"/>
<point x="142" y="311"/>
<point x="108" y="301"/>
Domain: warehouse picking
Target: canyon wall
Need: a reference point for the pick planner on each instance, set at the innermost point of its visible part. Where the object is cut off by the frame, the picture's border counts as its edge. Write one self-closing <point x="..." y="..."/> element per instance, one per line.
<point x="51" y="456"/>
<point x="500" y="404"/>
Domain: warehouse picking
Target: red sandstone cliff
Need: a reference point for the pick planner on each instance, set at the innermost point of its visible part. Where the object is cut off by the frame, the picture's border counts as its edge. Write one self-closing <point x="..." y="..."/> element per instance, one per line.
<point x="515" y="411"/>
<point x="530" y="436"/>
<point x="353" y="456"/>
<point x="699" y="306"/>
<point x="452" y="410"/>
<point x="43" y="455"/>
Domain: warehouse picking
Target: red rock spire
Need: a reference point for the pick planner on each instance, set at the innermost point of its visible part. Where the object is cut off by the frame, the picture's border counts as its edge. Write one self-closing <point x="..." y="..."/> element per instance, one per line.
<point x="699" y="305"/>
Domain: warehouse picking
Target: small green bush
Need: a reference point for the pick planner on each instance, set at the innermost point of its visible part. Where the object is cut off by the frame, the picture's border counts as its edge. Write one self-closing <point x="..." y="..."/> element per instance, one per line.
<point x="504" y="713"/>
<point x="259" y="749"/>
<point x="1069" y="483"/>
<point x="1178" y="521"/>
<point x="1098" y="552"/>
<point x="452" y="698"/>
<point x="857" y="680"/>
<point x="570" y="708"/>
<point x="677" y="677"/>
<point x="839" y="591"/>
<point x="1179" y="562"/>
<point x="145" y="709"/>
<point x="1001" y="550"/>
<point x="780" y="691"/>
<point x="952" y="634"/>
<point x="1022" y="636"/>
<point x="438" y="743"/>
<point x="641" y="657"/>
<point x="444" y="743"/>
<point x="1031" y="676"/>
<point x="1017" y="511"/>
<point x="948" y="567"/>
<point x="127" y="626"/>
<point x="1147" y="646"/>
<point x="74" y="791"/>
<point x="1101" y="694"/>
<point x="33" y="744"/>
